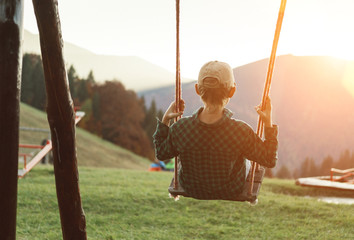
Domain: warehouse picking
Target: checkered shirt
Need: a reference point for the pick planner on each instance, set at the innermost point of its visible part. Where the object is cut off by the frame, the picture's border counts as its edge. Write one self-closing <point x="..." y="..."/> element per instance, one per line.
<point x="212" y="156"/>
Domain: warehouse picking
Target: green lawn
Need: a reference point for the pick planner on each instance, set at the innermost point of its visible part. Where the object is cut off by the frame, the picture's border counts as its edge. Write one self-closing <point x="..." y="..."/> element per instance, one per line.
<point x="132" y="204"/>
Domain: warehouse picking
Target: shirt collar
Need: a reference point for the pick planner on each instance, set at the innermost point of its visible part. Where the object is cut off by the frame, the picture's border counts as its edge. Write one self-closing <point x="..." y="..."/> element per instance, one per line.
<point x="227" y="114"/>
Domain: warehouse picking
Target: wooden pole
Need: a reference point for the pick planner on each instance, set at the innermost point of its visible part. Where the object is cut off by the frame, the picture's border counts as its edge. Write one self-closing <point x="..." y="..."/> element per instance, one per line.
<point x="11" y="15"/>
<point x="61" y="117"/>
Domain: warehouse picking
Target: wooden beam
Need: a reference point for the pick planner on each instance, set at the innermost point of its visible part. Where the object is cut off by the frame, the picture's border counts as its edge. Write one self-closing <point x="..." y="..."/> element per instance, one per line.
<point x="61" y="117"/>
<point x="11" y="14"/>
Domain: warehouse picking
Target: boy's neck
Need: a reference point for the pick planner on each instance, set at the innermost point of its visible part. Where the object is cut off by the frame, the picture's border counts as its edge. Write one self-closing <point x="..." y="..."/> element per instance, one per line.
<point x="211" y="115"/>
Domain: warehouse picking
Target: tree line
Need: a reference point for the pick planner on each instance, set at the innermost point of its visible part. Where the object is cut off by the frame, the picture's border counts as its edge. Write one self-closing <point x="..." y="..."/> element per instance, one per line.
<point x="309" y="168"/>
<point x="112" y="112"/>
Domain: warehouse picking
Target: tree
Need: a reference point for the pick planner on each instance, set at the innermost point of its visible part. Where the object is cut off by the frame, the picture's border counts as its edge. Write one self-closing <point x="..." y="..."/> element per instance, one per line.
<point x="344" y="160"/>
<point x="26" y="81"/>
<point x="149" y="123"/>
<point x="82" y="92"/>
<point x="90" y="82"/>
<point x="283" y="172"/>
<point x="308" y="168"/>
<point x="326" y="166"/>
<point x="268" y="173"/>
<point x="313" y="171"/>
<point x="90" y="78"/>
<point x="96" y="106"/>
<point x="121" y="117"/>
<point x="39" y="98"/>
<point x="32" y="84"/>
<point x="72" y="78"/>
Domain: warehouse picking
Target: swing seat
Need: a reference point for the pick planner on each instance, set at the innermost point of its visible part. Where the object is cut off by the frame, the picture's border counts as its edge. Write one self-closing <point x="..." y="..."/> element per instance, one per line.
<point x="242" y="197"/>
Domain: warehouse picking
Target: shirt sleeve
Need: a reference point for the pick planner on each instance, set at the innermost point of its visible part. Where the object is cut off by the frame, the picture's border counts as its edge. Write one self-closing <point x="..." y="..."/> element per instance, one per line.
<point x="163" y="140"/>
<point x="262" y="152"/>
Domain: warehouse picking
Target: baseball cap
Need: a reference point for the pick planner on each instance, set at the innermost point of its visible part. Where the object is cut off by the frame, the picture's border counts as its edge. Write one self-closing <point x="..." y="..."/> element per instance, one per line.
<point x="220" y="72"/>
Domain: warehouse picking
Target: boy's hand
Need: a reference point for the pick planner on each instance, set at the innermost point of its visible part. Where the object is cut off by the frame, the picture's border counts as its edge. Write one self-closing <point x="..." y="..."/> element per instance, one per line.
<point x="266" y="114"/>
<point x="171" y="112"/>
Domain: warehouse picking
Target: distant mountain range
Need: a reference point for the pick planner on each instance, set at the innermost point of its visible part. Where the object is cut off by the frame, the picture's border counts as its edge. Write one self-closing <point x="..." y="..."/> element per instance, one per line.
<point x="134" y="72"/>
<point x="313" y="109"/>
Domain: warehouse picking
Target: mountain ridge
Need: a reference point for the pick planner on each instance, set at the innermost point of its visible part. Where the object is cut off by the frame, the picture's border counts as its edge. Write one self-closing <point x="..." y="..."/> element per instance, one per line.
<point x="134" y="72"/>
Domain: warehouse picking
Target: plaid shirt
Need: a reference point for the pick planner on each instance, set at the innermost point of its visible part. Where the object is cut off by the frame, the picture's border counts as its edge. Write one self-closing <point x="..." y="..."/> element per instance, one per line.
<point x="212" y="156"/>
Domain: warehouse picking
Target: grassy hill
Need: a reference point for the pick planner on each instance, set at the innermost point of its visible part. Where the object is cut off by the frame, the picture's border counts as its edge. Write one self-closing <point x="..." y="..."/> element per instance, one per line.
<point x="91" y="150"/>
<point x="127" y="204"/>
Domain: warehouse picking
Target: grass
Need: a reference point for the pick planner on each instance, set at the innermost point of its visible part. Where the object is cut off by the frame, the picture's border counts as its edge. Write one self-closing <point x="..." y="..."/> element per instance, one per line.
<point x="91" y="150"/>
<point x="128" y="204"/>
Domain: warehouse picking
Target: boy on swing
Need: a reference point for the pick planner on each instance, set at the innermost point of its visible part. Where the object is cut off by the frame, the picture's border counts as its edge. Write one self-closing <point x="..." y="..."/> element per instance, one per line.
<point x="213" y="147"/>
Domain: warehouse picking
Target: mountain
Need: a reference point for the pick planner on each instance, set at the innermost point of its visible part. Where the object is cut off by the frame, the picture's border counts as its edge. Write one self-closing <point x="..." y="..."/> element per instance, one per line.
<point x="134" y="72"/>
<point x="313" y="109"/>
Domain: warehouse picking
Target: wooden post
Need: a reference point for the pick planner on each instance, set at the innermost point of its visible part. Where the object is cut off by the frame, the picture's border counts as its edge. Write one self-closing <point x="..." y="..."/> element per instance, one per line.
<point x="11" y="15"/>
<point x="61" y="117"/>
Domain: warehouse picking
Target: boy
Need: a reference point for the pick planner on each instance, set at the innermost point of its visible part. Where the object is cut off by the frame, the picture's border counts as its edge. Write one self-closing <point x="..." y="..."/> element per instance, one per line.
<point x="213" y="148"/>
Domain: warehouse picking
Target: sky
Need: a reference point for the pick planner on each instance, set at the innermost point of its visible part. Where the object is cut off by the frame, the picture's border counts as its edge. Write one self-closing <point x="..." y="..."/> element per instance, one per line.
<point x="234" y="31"/>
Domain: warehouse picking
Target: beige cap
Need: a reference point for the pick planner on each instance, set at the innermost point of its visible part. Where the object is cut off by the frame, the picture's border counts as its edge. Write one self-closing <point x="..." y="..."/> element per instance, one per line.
<point x="220" y="71"/>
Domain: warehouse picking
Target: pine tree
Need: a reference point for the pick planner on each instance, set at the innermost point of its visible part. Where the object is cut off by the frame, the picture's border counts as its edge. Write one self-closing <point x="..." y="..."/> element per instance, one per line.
<point x="344" y="160"/>
<point x="39" y="99"/>
<point x="308" y="168"/>
<point x="26" y="82"/>
<point x="72" y="77"/>
<point x="32" y="84"/>
<point x="326" y="166"/>
<point x="149" y="123"/>
<point x="82" y="93"/>
<point x="283" y="172"/>
<point x="90" y="78"/>
<point x="269" y="173"/>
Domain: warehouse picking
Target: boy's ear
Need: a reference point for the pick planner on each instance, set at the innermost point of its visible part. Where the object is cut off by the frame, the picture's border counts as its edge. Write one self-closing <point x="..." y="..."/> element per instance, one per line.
<point x="196" y="89"/>
<point x="232" y="91"/>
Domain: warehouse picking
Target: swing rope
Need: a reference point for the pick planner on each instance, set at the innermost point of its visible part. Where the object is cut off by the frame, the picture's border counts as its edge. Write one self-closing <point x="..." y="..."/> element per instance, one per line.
<point x="266" y="90"/>
<point x="178" y="85"/>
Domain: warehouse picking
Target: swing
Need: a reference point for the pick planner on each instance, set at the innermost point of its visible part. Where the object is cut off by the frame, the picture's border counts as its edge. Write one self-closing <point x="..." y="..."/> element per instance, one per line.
<point x="255" y="177"/>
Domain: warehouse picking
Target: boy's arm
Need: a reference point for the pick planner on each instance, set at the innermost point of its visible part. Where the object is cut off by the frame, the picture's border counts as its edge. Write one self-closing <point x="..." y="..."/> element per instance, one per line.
<point x="262" y="152"/>
<point x="164" y="148"/>
<point x="163" y="140"/>
<point x="265" y="153"/>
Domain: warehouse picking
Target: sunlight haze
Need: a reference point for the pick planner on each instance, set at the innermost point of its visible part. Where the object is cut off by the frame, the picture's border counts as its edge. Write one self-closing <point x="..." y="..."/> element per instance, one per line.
<point x="238" y="32"/>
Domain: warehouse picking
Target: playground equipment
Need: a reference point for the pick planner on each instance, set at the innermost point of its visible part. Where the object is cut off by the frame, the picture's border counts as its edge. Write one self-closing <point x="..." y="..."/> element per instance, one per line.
<point x="343" y="181"/>
<point x="158" y="166"/>
<point x="255" y="177"/>
<point x="44" y="148"/>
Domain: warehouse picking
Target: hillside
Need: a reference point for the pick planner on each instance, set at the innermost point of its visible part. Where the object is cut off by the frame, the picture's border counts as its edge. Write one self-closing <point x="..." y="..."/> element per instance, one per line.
<point x="311" y="105"/>
<point x="125" y="204"/>
<point x="91" y="150"/>
<point x="134" y="72"/>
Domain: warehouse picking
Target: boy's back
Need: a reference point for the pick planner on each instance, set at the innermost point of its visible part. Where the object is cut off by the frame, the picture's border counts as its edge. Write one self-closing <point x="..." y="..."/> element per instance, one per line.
<point x="213" y="155"/>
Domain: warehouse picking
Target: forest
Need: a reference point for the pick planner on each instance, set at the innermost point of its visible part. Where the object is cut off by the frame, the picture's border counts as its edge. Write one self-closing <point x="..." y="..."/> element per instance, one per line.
<point x="309" y="168"/>
<point x="121" y="117"/>
<point x="112" y="112"/>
